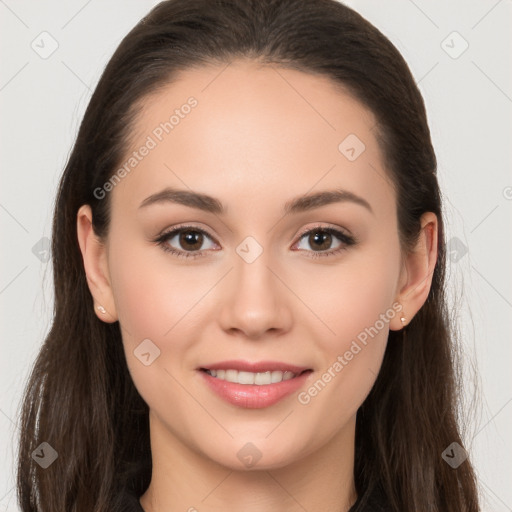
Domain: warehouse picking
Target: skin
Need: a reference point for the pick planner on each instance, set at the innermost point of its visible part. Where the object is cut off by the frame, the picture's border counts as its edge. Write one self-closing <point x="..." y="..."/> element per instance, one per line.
<point x="259" y="137"/>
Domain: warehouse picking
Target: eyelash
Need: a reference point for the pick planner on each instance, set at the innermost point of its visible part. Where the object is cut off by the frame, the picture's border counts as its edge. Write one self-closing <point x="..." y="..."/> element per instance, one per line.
<point x="345" y="239"/>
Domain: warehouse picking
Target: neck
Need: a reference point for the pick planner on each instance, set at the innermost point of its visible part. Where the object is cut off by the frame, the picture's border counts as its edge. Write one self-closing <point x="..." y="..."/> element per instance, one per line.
<point x="183" y="479"/>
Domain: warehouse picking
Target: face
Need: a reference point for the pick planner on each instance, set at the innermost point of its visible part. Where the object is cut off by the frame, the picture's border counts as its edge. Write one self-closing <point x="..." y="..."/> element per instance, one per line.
<point x="256" y="276"/>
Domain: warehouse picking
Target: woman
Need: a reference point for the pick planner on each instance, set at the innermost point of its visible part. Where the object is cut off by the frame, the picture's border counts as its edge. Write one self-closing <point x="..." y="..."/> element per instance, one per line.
<point x="249" y="263"/>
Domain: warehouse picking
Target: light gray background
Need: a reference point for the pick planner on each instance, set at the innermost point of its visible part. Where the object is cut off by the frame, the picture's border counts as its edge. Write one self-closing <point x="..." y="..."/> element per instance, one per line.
<point x="469" y="102"/>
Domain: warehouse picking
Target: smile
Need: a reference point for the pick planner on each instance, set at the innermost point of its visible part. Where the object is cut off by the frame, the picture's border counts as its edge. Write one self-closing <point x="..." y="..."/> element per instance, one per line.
<point x="259" y="378"/>
<point x="254" y="385"/>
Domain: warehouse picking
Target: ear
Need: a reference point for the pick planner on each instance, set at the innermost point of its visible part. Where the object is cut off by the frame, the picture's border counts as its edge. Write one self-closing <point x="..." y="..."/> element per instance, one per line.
<point x="94" y="254"/>
<point x="417" y="272"/>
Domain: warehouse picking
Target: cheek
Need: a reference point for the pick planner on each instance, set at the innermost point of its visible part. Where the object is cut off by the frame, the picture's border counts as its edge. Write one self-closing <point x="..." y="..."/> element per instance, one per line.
<point x="351" y="297"/>
<point x="355" y="307"/>
<point x="351" y="361"/>
<point x="155" y="301"/>
<point x="163" y="301"/>
<point x="153" y="293"/>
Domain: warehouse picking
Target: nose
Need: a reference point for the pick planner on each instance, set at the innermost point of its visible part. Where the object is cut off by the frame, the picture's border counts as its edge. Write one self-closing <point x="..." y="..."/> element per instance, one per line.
<point x="255" y="301"/>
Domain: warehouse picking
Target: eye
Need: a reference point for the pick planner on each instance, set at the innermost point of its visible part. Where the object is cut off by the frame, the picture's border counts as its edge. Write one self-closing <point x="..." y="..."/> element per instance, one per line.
<point x="321" y="238"/>
<point x="189" y="240"/>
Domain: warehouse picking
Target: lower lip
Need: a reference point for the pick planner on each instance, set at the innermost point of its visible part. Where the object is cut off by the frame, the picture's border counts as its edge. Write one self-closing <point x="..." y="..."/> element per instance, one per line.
<point x="252" y="396"/>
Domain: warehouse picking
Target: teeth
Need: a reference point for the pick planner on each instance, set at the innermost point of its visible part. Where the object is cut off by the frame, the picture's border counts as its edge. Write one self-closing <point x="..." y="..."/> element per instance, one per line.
<point x="260" y="378"/>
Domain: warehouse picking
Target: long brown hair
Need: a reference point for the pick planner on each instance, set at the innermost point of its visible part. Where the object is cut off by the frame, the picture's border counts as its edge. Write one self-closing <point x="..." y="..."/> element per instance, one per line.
<point x="80" y="397"/>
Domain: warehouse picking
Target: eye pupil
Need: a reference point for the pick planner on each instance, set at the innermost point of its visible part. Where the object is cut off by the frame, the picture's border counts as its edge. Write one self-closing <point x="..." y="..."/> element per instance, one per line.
<point x="194" y="238"/>
<point x="322" y="238"/>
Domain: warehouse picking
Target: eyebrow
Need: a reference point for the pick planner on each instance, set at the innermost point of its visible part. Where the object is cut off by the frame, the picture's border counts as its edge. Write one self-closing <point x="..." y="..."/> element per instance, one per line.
<point x="211" y="204"/>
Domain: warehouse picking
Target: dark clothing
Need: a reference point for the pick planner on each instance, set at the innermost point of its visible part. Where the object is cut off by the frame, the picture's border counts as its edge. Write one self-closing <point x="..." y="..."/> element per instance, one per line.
<point x="365" y="503"/>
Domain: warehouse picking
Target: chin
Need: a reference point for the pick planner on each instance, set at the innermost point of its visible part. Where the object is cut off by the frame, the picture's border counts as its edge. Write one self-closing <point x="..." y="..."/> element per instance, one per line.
<point x="257" y="455"/>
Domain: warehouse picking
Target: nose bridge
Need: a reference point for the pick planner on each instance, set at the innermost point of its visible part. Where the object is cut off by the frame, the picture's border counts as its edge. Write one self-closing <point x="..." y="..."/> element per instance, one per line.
<point x="255" y="283"/>
<point x="255" y="301"/>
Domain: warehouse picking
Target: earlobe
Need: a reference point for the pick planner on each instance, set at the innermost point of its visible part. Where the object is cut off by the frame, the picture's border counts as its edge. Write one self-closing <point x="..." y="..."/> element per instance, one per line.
<point x="418" y="269"/>
<point x="95" y="262"/>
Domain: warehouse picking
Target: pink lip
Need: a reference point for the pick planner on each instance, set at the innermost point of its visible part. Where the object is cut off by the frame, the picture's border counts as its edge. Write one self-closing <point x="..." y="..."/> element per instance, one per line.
<point x="252" y="396"/>
<point x="262" y="366"/>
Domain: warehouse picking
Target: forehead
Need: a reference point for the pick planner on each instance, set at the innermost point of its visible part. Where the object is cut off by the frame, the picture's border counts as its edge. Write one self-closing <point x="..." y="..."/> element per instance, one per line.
<point x="245" y="130"/>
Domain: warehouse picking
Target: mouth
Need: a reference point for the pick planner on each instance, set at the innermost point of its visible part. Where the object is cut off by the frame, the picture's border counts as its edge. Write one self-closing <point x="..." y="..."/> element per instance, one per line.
<point x="256" y="378"/>
<point x="254" y="385"/>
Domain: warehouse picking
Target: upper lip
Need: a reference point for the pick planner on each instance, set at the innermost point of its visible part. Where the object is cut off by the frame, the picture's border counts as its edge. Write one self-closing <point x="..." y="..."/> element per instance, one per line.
<point x="255" y="367"/>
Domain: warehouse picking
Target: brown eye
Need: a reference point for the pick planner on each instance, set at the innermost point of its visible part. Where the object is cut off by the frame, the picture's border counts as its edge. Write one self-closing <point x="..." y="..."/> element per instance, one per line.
<point x="321" y="240"/>
<point x="192" y="240"/>
<point x="186" y="241"/>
